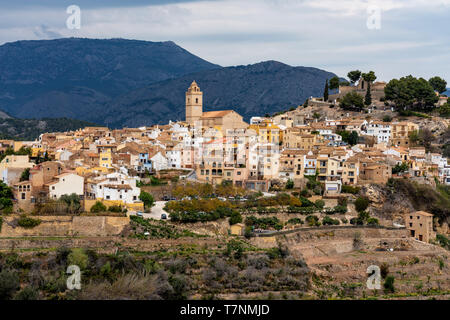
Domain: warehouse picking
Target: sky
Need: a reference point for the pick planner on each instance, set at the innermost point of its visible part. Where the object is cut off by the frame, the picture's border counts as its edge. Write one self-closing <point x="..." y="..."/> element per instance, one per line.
<point x="394" y="38"/>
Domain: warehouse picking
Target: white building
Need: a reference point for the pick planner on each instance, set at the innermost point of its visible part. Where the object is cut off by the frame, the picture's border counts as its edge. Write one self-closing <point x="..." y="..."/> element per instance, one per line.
<point x="380" y="130"/>
<point x="66" y="184"/>
<point x="173" y="156"/>
<point x="159" y="162"/>
<point x="116" y="187"/>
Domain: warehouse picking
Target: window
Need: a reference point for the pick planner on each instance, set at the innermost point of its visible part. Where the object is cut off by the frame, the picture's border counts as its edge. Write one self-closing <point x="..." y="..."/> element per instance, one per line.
<point x="23" y="196"/>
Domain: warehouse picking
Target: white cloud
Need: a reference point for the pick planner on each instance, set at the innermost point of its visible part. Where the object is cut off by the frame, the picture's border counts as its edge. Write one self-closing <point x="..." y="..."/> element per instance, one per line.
<point x="322" y="33"/>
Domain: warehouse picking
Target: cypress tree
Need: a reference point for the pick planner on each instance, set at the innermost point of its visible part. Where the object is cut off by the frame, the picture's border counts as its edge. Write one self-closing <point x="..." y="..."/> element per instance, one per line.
<point x="325" y="93"/>
<point x="368" y="99"/>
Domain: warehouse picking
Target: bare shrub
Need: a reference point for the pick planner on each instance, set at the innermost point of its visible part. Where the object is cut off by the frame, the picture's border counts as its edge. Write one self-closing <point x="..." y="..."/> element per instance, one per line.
<point x="130" y="286"/>
<point x="258" y="261"/>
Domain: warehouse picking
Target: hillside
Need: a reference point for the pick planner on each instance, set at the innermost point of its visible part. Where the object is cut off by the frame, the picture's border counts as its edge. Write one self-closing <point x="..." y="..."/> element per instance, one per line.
<point x="251" y="90"/>
<point x="30" y="129"/>
<point x="75" y="77"/>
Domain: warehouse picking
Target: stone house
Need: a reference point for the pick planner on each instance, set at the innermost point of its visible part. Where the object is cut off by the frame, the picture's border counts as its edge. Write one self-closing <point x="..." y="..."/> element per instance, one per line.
<point x="420" y="225"/>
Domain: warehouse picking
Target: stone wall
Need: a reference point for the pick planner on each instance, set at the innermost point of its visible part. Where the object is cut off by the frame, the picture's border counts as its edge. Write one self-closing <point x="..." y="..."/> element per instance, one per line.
<point x="65" y="226"/>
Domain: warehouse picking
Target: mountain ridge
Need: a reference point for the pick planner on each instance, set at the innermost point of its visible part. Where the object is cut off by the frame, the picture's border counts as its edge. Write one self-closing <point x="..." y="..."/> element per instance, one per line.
<point x="121" y="82"/>
<point x="251" y="90"/>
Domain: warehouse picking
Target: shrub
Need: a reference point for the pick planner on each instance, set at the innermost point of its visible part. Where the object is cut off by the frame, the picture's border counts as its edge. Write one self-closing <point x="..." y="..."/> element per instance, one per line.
<point x="264" y="223"/>
<point x="384" y="270"/>
<point x="327" y="220"/>
<point x="372" y="222"/>
<point x="389" y="284"/>
<point x="306" y="202"/>
<point x="319" y="204"/>
<point x="147" y="199"/>
<point x="317" y="190"/>
<point x="356" y="221"/>
<point x="115" y="209"/>
<point x="361" y="204"/>
<point x="98" y="207"/>
<point x="72" y="202"/>
<point x="312" y="221"/>
<point x="342" y="201"/>
<point x="236" y="217"/>
<point x="27" y="222"/>
<point x="234" y="249"/>
<point x="248" y="232"/>
<point x="357" y="241"/>
<point x="350" y="189"/>
<point x="290" y="184"/>
<point x="442" y="240"/>
<point x="387" y="118"/>
<point x="295" y="202"/>
<point x="78" y="257"/>
<point x="295" y="221"/>
<point x="28" y="293"/>
<point x="9" y="284"/>
<point x="340" y="209"/>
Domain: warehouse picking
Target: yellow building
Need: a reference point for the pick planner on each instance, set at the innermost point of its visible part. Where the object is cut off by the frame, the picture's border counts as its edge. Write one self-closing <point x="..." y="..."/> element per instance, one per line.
<point x="35" y="152"/>
<point x="268" y="132"/>
<point x="294" y="139"/>
<point x="15" y="161"/>
<point x="400" y="132"/>
<point x="105" y="159"/>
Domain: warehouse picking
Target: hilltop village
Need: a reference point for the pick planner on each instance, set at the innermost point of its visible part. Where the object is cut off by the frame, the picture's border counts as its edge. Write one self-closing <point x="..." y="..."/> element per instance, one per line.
<point x="214" y="147"/>
<point x="319" y="168"/>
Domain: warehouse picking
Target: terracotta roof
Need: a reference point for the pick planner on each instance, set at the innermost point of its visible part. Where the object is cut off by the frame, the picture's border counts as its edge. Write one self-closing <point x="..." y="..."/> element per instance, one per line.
<point x="423" y="213"/>
<point x="216" y="114"/>
<point x="64" y="174"/>
<point x="118" y="186"/>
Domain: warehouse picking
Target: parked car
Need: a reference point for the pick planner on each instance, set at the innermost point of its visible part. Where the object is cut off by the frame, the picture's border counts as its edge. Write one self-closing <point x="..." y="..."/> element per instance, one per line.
<point x="222" y="199"/>
<point x="163" y="216"/>
<point x="139" y="213"/>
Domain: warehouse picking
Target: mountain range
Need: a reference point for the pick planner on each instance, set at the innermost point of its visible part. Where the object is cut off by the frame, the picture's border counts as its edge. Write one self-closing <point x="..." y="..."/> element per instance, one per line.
<point x="121" y="82"/>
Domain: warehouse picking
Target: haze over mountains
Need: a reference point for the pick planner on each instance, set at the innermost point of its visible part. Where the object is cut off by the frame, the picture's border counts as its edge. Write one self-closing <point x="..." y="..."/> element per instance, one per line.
<point x="131" y="83"/>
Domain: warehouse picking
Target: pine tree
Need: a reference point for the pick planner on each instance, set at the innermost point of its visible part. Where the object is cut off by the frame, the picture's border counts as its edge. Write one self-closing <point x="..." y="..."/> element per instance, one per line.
<point x="325" y="93"/>
<point x="368" y="99"/>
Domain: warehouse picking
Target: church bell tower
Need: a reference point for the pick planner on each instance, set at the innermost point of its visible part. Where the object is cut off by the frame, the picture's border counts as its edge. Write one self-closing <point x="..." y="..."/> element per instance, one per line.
<point x="194" y="103"/>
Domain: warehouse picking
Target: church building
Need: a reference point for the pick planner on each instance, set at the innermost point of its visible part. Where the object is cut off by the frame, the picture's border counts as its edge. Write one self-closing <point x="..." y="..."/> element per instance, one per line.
<point x="225" y="119"/>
